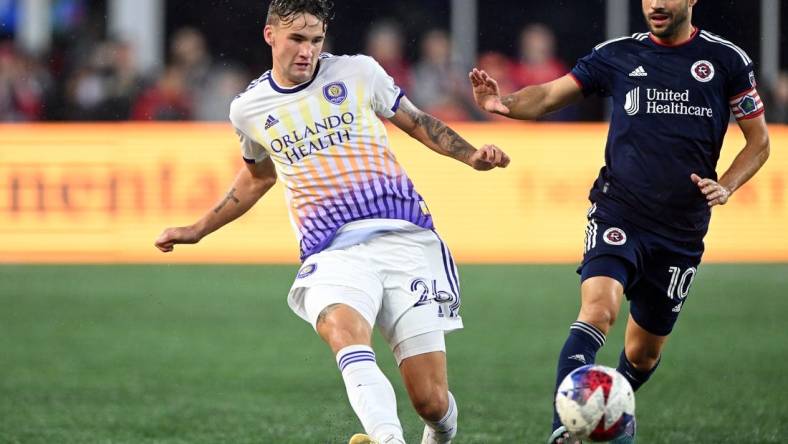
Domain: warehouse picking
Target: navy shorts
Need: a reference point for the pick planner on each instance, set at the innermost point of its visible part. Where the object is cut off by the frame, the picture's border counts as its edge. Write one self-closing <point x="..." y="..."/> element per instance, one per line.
<point x="656" y="272"/>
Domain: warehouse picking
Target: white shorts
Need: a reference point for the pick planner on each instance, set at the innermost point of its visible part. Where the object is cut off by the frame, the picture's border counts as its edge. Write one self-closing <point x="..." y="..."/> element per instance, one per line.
<point x="406" y="283"/>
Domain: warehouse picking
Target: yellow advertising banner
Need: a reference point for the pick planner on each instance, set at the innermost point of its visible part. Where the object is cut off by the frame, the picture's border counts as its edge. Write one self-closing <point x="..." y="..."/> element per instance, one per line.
<point x="89" y="193"/>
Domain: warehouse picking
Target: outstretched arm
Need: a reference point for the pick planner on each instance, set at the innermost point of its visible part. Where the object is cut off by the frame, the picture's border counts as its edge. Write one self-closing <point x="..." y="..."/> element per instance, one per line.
<point x="251" y="183"/>
<point x="437" y="136"/>
<point x="749" y="160"/>
<point x="530" y="102"/>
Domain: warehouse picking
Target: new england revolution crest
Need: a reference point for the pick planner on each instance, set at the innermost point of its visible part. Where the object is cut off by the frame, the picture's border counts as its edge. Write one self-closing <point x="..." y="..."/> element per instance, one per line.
<point x="335" y="92"/>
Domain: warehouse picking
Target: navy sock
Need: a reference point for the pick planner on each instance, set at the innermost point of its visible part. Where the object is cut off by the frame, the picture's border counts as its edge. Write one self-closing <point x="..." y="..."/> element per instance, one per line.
<point x="635" y="377"/>
<point x="579" y="349"/>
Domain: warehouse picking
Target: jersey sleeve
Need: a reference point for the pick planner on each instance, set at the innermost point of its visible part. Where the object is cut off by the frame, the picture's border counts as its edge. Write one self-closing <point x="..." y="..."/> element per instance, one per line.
<point x="743" y="96"/>
<point x="386" y="95"/>
<point x="251" y="151"/>
<point x="593" y="74"/>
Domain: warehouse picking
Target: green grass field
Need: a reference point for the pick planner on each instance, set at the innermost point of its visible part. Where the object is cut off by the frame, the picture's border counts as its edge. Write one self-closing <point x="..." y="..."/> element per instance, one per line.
<point x="212" y="354"/>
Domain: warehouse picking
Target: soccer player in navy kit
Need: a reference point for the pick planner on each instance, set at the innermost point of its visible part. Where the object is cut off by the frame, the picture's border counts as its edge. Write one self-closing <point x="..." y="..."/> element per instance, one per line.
<point x="673" y="90"/>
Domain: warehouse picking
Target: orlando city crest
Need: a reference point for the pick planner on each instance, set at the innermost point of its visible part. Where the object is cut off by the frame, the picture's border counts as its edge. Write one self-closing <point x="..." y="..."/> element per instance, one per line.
<point x="335" y="92"/>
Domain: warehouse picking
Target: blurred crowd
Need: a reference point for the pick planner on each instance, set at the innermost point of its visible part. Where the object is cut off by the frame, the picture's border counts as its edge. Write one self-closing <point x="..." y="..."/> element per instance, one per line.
<point x="100" y="80"/>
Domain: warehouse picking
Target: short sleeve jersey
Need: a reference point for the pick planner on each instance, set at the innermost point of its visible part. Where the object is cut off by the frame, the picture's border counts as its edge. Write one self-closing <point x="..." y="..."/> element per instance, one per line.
<point x="671" y="106"/>
<point x="329" y="147"/>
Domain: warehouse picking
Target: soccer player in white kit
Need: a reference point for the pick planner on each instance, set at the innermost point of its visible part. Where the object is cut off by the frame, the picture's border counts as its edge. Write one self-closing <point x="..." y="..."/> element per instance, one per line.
<point x="368" y="246"/>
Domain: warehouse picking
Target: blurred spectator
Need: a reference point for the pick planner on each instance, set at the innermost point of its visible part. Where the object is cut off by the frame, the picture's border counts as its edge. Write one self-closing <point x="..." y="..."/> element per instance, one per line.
<point x="214" y="102"/>
<point x="106" y="86"/>
<point x="190" y="54"/>
<point x="22" y="86"/>
<point x="168" y="99"/>
<point x="777" y="107"/>
<point x="210" y="88"/>
<point x="437" y="86"/>
<point x="385" y="44"/>
<point x="538" y="62"/>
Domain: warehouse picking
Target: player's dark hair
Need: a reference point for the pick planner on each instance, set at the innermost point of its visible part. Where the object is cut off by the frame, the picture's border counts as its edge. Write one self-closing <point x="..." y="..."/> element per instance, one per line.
<point x="286" y="11"/>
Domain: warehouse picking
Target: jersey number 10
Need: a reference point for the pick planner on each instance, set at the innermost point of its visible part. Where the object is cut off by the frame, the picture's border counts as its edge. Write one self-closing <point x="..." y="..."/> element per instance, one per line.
<point x="680" y="283"/>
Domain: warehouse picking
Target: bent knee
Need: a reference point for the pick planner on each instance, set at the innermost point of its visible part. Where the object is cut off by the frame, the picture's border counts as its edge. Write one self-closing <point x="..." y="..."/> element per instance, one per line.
<point x="341" y="326"/>
<point x="339" y="338"/>
<point x="601" y="299"/>
<point x="642" y="359"/>
<point x="433" y="406"/>
<point x="599" y="315"/>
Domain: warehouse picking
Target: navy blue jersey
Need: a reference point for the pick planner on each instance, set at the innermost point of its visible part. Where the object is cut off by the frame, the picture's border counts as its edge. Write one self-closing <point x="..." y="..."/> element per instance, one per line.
<point x="671" y="108"/>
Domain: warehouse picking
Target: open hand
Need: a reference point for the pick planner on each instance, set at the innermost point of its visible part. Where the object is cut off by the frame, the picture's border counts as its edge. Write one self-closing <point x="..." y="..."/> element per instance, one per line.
<point x="715" y="193"/>
<point x="486" y="92"/>
<point x="179" y="235"/>
<point x="488" y="157"/>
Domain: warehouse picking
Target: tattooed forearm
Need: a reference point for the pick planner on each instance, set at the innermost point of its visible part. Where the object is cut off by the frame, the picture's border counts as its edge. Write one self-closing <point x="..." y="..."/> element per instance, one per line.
<point x="445" y="139"/>
<point x="230" y="197"/>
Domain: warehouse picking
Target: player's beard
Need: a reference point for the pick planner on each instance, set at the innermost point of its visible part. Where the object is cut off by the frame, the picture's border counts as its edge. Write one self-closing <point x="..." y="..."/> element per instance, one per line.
<point x="677" y="22"/>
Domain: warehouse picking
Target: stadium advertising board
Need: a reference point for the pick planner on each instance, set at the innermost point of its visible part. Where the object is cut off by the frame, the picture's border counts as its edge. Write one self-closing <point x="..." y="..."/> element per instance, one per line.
<point x="102" y="193"/>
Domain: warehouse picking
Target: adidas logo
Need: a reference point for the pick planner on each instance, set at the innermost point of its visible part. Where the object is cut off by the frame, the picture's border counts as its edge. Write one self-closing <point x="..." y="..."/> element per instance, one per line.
<point x="578" y="357"/>
<point x="271" y="121"/>
<point x="638" y="72"/>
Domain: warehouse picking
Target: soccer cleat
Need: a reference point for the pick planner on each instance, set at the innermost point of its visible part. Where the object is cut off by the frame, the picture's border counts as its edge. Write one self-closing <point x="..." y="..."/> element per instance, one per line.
<point x="629" y="434"/>
<point x="429" y="437"/>
<point x="360" y="438"/>
<point x="561" y="436"/>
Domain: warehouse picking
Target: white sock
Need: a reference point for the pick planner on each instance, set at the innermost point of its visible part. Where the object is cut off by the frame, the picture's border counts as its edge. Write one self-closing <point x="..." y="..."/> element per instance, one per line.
<point x="445" y="430"/>
<point x="370" y="393"/>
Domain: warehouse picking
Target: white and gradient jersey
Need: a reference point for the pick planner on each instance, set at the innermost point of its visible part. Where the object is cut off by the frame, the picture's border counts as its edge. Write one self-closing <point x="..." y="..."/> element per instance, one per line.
<point x="330" y="149"/>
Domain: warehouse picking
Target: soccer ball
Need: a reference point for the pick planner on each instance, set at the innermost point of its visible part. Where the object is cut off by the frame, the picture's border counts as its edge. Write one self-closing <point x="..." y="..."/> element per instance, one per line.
<point x="595" y="403"/>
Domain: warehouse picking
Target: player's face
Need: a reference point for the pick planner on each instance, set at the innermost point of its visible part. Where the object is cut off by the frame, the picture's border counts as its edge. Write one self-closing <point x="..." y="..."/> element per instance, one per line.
<point x="666" y="18"/>
<point x="296" y="46"/>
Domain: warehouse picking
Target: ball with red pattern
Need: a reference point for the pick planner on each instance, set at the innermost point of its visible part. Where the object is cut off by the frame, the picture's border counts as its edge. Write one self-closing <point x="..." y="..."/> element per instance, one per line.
<point x="595" y="403"/>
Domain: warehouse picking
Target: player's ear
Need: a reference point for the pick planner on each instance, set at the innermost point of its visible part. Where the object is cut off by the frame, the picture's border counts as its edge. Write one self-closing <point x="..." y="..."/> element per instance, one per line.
<point x="692" y="3"/>
<point x="268" y="35"/>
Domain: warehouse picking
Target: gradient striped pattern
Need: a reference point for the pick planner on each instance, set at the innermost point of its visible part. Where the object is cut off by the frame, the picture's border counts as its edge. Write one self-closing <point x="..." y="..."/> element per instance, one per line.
<point x="331" y="152"/>
<point x="354" y="179"/>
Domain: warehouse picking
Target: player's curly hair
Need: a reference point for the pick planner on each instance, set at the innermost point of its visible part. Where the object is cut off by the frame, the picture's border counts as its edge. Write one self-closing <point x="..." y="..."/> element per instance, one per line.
<point x="285" y="11"/>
